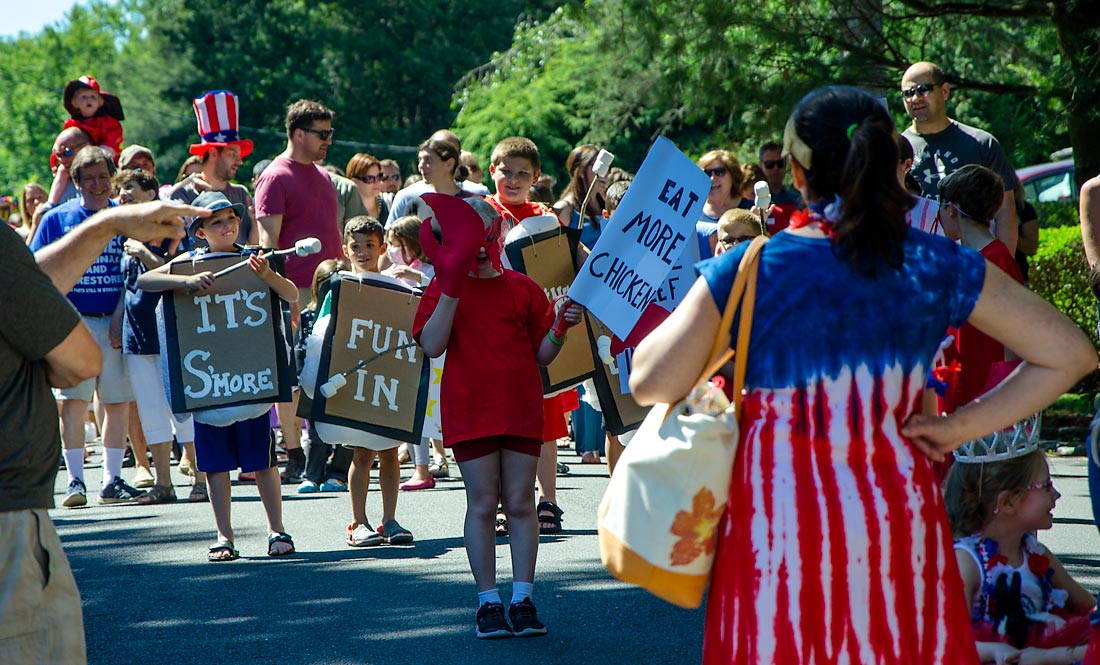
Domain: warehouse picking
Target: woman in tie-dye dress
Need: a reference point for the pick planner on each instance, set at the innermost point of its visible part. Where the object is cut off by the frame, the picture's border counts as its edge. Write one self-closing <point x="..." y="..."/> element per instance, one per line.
<point x="835" y="547"/>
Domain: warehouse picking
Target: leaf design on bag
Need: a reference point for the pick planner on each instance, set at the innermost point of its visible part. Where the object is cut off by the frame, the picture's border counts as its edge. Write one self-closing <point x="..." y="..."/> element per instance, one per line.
<point x="695" y="529"/>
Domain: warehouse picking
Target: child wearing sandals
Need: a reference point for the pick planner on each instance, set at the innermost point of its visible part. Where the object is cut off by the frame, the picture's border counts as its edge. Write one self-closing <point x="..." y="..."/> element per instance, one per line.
<point x="246" y="444"/>
<point x="497" y="327"/>
<point x="1024" y="605"/>
<point x="364" y="242"/>
<point x="141" y="351"/>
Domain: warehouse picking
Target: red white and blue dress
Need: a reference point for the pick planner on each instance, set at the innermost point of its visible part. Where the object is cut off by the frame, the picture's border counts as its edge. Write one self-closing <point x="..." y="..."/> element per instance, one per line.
<point x="835" y="546"/>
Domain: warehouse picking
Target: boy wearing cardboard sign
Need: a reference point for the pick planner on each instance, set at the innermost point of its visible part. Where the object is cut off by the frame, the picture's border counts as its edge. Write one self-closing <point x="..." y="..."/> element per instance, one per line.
<point x="364" y="242"/>
<point x="515" y="166"/>
<point x="245" y="444"/>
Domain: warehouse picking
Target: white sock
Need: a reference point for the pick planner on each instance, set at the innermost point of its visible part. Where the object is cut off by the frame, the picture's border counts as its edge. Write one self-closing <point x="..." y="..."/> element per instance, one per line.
<point x="112" y="464"/>
<point x="74" y="463"/>
<point x="490" y="596"/>
<point x="521" y="590"/>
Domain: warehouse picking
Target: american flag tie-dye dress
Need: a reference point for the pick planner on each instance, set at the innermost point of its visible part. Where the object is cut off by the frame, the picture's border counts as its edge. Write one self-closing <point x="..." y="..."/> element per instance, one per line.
<point x="835" y="546"/>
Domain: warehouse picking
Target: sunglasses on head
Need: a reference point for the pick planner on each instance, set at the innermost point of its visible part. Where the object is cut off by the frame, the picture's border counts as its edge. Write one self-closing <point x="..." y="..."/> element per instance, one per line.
<point x="719" y="172"/>
<point x="67" y="152"/>
<point x="922" y="90"/>
<point x="773" y="163"/>
<point x="323" y="134"/>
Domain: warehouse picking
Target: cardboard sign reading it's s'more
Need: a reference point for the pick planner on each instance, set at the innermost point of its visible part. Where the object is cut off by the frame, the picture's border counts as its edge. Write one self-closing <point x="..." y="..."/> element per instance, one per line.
<point x="543" y="250"/>
<point x="369" y="343"/>
<point x="644" y="238"/>
<point x="224" y="347"/>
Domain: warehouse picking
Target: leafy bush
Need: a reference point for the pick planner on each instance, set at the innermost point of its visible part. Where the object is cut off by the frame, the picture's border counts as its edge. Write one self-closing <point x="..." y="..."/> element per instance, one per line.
<point x="1060" y="274"/>
<point x="1073" y="403"/>
<point x="1057" y="213"/>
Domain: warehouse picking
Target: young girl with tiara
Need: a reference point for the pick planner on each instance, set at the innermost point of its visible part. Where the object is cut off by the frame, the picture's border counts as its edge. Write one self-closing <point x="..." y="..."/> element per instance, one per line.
<point x="1024" y="606"/>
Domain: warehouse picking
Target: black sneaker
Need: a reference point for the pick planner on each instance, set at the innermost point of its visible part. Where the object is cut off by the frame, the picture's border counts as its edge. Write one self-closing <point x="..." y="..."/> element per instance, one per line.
<point x="491" y="623"/>
<point x="525" y="619"/>
<point x="77" y="496"/>
<point x="117" y="491"/>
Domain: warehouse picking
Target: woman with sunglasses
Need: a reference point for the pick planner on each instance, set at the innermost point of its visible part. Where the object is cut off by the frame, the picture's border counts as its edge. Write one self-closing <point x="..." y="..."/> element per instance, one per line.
<point x="834" y="546"/>
<point x="725" y="175"/>
<point x="366" y="172"/>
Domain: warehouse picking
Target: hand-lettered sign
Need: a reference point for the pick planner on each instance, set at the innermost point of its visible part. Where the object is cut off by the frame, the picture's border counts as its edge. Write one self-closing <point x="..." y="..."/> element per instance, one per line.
<point x="547" y="257"/>
<point x="225" y="347"/>
<point x="653" y="225"/>
<point x="368" y="342"/>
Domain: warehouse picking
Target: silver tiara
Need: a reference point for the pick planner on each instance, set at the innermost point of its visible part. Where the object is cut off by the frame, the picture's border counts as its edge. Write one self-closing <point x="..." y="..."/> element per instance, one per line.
<point x="1015" y="441"/>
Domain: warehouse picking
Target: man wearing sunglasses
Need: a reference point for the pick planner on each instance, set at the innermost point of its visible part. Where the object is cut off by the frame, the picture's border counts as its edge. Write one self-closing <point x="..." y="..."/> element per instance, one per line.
<point x="942" y="145"/>
<point x="295" y="199"/>
<point x="65" y="146"/>
<point x="786" y="199"/>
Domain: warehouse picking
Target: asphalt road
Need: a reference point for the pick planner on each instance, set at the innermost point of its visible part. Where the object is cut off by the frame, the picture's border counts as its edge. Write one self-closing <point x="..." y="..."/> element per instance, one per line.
<point x="150" y="595"/>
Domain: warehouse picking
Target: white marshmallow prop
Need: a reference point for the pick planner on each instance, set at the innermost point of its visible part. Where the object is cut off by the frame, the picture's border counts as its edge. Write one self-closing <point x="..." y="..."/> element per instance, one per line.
<point x="763" y="195"/>
<point x="603" y="346"/>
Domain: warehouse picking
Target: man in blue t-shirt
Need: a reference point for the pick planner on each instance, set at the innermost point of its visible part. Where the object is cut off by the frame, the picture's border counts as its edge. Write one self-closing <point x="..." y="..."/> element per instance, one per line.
<point x="95" y="297"/>
<point x="942" y="145"/>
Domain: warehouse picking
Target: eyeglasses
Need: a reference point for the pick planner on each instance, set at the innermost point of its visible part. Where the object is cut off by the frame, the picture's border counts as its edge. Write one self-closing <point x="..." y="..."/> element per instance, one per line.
<point x="719" y="172"/>
<point x="1048" y="486"/>
<point x="323" y="134"/>
<point x="730" y="242"/>
<point x="370" y="179"/>
<point x="922" y="90"/>
<point x="393" y="177"/>
<point x="773" y="163"/>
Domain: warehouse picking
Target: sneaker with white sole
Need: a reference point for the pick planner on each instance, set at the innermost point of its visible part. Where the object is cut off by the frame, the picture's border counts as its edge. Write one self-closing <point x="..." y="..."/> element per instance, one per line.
<point x="77" y="496"/>
<point x="491" y="623"/>
<point x="525" y="619"/>
<point x="362" y="535"/>
<point x="117" y="491"/>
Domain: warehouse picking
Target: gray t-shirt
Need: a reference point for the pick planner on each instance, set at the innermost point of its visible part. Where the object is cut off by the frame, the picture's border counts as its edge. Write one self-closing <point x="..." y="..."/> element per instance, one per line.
<point x="186" y="192"/>
<point x="348" y="201"/>
<point x="938" y="155"/>
<point x="34" y="318"/>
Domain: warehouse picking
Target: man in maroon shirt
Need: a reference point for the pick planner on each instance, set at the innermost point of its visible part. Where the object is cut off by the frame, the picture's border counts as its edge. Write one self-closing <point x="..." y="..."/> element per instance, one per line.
<point x="295" y="199"/>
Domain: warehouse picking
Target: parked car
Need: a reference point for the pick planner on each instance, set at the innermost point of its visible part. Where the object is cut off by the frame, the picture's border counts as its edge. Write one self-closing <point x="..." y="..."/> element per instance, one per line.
<point x="1053" y="181"/>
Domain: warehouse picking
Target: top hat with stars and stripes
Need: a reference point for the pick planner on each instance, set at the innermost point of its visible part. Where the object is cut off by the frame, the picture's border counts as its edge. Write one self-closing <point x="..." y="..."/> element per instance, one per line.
<point x="217" y="114"/>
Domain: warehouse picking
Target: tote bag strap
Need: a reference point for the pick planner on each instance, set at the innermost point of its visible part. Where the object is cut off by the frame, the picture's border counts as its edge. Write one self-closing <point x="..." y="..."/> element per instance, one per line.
<point x="742" y="296"/>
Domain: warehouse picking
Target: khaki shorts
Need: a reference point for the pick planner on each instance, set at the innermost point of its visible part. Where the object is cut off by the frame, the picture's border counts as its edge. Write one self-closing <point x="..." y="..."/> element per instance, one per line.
<point x="40" y="615"/>
<point x="113" y="381"/>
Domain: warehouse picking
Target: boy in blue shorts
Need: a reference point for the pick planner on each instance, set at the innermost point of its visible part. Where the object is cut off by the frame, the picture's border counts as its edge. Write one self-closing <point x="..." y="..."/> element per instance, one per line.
<point x="246" y="444"/>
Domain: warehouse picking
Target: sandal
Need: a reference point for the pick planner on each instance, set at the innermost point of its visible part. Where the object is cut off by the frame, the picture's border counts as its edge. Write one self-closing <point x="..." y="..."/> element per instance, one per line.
<point x="395" y="534"/>
<point x="562" y="469"/>
<point x="439" y="470"/>
<point x="156" y="495"/>
<point x="550" y="513"/>
<point x="279" y="537"/>
<point x="198" y="494"/>
<point x="590" y="457"/>
<point x="502" y="522"/>
<point x="222" y="546"/>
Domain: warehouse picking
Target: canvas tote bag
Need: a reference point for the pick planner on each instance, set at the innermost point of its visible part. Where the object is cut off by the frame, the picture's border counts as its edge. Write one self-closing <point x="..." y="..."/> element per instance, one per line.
<point x="658" y="518"/>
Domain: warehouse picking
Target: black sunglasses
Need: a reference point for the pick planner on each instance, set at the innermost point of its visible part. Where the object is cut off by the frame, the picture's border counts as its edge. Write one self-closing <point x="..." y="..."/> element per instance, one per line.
<point x="773" y="163"/>
<point x="371" y="179"/>
<point x="323" y="134"/>
<point x="730" y="242"/>
<point x="719" y="172"/>
<point x="922" y="90"/>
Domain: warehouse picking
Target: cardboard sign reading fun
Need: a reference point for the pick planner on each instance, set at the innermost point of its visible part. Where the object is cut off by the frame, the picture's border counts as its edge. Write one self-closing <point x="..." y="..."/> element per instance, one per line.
<point x="642" y="241"/>
<point x="224" y="347"/>
<point x="547" y="257"/>
<point x="369" y="342"/>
